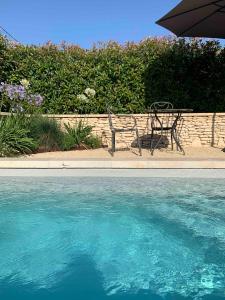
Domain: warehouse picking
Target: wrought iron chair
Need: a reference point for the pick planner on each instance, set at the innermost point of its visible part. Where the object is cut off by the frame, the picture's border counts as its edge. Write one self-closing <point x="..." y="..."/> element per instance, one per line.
<point x="131" y="128"/>
<point x="160" y="124"/>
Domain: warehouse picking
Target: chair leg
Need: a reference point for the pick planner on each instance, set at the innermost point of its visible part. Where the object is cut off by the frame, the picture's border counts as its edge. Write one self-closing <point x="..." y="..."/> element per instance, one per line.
<point x="158" y="142"/>
<point x="139" y="142"/>
<point x="175" y="133"/>
<point x="113" y="142"/>
<point x="176" y="139"/>
<point x="171" y="136"/>
<point x="151" y="142"/>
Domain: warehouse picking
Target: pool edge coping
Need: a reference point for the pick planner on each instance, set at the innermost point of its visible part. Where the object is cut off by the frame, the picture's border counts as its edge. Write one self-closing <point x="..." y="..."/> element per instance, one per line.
<point x="112" y="164"/>
<point x="126" y="173"/>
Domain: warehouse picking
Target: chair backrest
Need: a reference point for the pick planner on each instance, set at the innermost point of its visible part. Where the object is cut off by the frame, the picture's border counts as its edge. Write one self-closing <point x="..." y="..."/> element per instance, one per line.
<point x="111" y="114"/>
<point x="156" y="121"/>
<point x="161" y="105"/>
<point x="120" y="121"/>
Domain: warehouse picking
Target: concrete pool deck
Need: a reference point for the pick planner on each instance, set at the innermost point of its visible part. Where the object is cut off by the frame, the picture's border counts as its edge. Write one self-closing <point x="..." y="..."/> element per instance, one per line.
<point x="195" y="158"/>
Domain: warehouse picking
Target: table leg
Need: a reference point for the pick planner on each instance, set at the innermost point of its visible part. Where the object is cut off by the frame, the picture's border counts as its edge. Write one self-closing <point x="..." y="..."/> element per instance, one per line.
<point x="174" y="134"/>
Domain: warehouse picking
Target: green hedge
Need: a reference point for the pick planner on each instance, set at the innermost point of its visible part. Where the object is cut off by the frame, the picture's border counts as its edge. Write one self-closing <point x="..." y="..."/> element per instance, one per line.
<point x="190" y="74"/>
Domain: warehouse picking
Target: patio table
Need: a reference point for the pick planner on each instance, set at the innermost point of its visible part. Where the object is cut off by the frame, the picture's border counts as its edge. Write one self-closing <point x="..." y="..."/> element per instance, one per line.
<point x="172" y="117"/>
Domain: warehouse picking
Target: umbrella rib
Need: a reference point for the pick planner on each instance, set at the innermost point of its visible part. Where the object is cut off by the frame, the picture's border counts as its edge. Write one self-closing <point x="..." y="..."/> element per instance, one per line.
<point x="199" y="22"/>
<point x="221" y="7"/>
<point x="190" y="10"/>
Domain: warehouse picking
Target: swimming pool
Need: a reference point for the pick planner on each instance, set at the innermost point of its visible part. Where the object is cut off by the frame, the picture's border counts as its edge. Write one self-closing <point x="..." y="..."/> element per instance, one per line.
<point x="112" y="238"/>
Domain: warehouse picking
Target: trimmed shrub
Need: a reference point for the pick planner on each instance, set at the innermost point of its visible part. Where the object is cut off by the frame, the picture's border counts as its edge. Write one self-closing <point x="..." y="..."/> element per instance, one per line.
<point x="61" y="73"/>
<point x="189" y="73"/>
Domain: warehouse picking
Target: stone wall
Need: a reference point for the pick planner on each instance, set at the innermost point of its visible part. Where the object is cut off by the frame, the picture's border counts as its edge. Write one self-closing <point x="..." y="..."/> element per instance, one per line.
<point x="195" y="129"/>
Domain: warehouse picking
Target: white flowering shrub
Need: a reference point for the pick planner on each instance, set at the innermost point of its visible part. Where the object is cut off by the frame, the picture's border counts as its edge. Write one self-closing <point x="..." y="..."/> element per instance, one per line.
<point x="85" y="100"/>
<point x="90" y="92"/>
<point x="82" y="98"/>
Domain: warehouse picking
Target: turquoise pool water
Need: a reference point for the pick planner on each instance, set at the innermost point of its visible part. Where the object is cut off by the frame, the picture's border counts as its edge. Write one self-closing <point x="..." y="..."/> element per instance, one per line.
<point x="108" y="238"/>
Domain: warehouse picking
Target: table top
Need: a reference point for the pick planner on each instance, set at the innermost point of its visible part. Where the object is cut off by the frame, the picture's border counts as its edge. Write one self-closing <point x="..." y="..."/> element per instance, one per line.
<point x="170" y="110"/>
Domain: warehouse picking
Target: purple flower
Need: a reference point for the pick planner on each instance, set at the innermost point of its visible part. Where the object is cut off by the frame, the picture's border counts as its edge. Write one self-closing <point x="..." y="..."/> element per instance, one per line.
<point x="35" y="99"/>
<point x="18" y="92"/>
<point x="30" y="99"/>
<point x="14" y="92"/>
<point x="38" y="100"/>
<point x="9" y="90"/>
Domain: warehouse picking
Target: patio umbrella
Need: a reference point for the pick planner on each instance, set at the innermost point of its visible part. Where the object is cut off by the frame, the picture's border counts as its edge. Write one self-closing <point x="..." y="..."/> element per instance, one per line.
<point x="196" y="18"/>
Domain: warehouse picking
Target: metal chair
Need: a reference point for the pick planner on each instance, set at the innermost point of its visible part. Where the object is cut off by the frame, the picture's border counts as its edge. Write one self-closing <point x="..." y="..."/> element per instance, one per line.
<point x="114" y="129"/>
<point x="157" y="124"/>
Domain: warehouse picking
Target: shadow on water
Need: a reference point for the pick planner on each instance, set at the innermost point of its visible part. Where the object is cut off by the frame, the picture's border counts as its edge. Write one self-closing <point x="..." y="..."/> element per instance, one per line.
<point x="81" y="282"/>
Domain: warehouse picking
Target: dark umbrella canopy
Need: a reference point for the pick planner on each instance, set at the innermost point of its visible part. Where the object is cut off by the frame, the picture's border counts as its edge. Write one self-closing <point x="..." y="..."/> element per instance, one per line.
<point x="196" y="18"/>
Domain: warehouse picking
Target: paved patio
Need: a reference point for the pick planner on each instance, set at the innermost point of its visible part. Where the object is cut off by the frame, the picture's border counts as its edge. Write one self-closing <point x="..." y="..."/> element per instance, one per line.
<point x="195" y="158"/>
<point x="202" y="153"/>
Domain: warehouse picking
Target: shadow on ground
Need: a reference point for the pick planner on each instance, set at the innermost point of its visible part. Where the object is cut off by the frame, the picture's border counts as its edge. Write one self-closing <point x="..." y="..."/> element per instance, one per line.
<point x="146" y="141"/>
